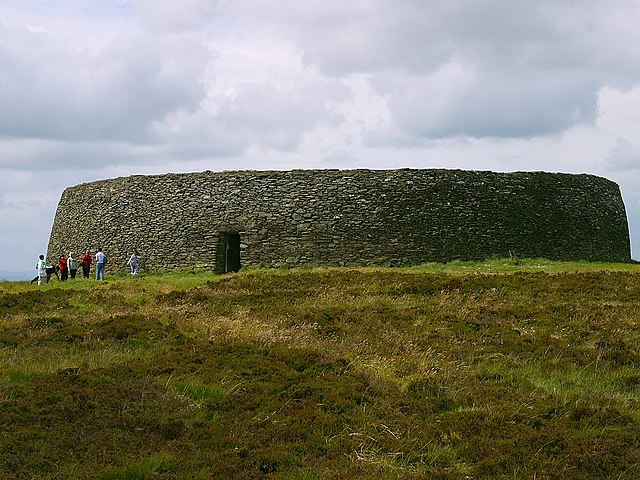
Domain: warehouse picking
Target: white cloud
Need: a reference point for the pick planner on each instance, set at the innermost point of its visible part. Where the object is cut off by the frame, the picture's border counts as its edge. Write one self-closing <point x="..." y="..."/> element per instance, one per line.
<point x="27" y="206"/>
<point x="624" y="156"/>
<point x="457" y="101"/>
<point x="619" y="111"/>
<point x="176" y="16"/>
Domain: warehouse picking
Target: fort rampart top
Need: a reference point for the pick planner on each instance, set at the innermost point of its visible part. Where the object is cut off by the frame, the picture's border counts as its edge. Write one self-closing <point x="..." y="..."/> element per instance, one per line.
<point x="231" y="219"/>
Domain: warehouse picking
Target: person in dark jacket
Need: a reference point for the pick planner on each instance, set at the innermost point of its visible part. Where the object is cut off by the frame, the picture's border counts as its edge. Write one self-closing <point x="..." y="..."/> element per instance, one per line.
<point x="49" y="270"/>
<point x="52" y="270"/>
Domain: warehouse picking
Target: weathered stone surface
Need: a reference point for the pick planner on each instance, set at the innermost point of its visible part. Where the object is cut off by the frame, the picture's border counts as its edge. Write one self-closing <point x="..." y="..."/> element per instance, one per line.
<point x="357" y="217"/>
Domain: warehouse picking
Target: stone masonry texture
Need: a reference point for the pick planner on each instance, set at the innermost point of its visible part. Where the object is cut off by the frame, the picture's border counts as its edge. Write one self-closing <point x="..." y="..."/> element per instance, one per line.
<point x="342" y="217"/>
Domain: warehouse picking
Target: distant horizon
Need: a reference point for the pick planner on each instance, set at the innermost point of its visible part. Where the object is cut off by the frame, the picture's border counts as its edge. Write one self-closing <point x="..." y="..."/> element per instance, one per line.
<point x="19" y="276"/>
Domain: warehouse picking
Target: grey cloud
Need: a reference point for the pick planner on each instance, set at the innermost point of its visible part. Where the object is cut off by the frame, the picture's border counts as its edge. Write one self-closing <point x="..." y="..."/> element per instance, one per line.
<point x="419" y="35"/>
<point x="538" y="66"/>
<point x="226" y="125"/>
<point x="142" y="99"/>
<point x="51" y="156"/>
<point x="52" y="91"/>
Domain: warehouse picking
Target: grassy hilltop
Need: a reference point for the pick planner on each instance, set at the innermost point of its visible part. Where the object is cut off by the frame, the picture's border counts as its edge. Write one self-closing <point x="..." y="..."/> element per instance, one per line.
<point x="467" y="371"/>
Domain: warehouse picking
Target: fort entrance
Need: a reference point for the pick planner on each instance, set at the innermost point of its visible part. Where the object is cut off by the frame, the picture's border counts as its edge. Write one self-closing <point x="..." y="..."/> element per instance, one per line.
<point x="228" y="253"/>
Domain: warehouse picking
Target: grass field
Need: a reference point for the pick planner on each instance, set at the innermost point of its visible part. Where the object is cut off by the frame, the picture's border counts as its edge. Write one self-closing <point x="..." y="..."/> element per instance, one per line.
<point x="494" y="370"/>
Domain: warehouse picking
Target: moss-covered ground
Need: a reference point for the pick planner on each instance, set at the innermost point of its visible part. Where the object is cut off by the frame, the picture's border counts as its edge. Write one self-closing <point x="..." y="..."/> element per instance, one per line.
<point x="495" y="370"/>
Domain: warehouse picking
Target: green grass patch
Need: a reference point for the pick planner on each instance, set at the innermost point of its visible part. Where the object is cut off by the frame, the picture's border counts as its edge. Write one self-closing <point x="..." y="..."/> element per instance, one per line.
<point x="195" y="391"/>
<point x="140" y="470"/>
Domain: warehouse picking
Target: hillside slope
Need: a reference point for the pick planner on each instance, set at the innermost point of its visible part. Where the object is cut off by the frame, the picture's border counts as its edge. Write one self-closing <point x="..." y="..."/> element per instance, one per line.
<point x="323" y="374"/>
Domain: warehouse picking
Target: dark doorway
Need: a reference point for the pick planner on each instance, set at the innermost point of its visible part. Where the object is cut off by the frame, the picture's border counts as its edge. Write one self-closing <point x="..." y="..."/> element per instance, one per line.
<point x="230" y="246"/>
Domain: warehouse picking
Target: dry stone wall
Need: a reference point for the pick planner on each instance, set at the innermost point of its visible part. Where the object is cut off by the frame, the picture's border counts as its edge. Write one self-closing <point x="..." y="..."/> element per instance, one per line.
<point x="334" y="217"/>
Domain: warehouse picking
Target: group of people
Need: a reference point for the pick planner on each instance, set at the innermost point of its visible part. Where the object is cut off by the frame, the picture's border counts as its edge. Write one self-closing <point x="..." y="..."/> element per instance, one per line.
<point x="68" y="266"/>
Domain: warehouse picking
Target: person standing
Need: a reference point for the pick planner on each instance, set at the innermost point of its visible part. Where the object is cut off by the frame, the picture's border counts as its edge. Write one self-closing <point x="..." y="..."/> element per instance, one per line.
<point x="41" y="267"/>
<point x="133" y="263"/>
<point x="101" y="260"/>
<point x="41" y="271"/>
<point x="72" y="264"/>
<point x="86" y="264"/>
<point x="64" y="272"/>
<point x="52" y="270"/>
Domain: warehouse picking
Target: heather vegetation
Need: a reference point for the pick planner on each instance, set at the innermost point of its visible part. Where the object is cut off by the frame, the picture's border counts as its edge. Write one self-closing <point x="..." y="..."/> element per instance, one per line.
<point x="494" y="370"/>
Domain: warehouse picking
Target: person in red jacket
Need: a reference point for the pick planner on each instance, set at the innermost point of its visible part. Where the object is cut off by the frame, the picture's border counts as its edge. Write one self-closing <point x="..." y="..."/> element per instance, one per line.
<point x="64" y="273"/>
<point x="86" y="264"/>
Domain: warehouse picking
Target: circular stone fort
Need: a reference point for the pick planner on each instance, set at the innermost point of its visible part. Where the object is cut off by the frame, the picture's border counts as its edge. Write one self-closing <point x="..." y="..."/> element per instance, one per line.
<point x="227" y="220"/>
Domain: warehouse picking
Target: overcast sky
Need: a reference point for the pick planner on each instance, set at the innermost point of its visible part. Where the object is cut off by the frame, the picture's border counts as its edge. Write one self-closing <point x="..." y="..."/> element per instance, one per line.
<point x="93" y="89"/>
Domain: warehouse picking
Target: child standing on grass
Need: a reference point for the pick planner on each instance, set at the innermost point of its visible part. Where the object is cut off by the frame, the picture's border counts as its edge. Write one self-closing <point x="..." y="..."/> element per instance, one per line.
<point x="133" y="262"/>
<point x="41" y="267"/>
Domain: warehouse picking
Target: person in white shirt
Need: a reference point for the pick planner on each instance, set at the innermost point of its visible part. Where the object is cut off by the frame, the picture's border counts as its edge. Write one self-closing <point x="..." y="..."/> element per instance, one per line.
<point x="101" y="260"/>
<point x="41" y="266"/>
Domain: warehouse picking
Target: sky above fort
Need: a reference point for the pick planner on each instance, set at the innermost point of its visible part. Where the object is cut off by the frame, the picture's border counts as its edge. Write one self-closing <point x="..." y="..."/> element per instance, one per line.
<point x="93" y="89"/>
